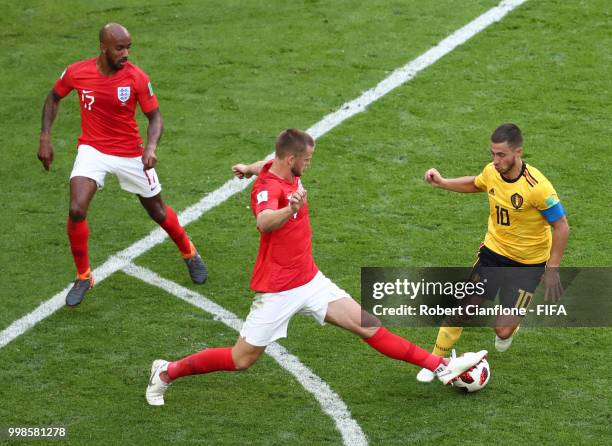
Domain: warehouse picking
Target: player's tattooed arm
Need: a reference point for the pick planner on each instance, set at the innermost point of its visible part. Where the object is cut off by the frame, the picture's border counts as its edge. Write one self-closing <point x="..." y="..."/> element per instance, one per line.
<point x="248" y="170"/>
<point x="154" y="133"/>
<point x="49" y="113"/>
<point x="270" y="220"/>
<point x="462" y="184"/>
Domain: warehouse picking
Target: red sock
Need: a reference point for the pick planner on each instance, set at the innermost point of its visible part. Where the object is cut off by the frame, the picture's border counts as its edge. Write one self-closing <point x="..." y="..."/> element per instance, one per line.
<point x="78" y="234"/>
<point x="397" y="347"/>
<point x="205" y="361"/>
<point x="176" y="232"/>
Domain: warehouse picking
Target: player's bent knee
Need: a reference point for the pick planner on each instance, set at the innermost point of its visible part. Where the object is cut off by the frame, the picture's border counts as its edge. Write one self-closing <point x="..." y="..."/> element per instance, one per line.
<point x="77" y="212"/>
<point x="244" y="362"/>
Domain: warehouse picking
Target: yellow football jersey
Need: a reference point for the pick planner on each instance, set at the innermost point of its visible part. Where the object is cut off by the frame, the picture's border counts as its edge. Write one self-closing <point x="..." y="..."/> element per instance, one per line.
<point x="519" y="213"/>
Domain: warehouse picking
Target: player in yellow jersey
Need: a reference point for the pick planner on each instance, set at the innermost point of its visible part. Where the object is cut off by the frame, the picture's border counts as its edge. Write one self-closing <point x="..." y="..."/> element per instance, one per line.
<point x="523" y="207"/>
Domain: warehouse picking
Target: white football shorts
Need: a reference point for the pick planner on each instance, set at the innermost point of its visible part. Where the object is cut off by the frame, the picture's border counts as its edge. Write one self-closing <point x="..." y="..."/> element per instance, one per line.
<point x="91" y="163"/>
<point x="270" y="312"/>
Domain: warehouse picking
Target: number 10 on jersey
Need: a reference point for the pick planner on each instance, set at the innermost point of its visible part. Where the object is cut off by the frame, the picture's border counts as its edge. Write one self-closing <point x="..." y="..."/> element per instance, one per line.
<point x="503" y="216"/>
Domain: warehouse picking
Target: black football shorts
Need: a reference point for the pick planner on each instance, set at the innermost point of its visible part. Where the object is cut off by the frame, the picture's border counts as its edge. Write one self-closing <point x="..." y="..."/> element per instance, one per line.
<point x="515" y="282"/>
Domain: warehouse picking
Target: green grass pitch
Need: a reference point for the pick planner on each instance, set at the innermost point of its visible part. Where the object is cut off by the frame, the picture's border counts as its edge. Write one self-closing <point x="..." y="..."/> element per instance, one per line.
<point x="229" y="76"/>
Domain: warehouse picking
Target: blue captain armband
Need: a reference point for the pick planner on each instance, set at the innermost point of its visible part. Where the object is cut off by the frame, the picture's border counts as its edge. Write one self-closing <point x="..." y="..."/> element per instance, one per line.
<point x="554" y="213"/>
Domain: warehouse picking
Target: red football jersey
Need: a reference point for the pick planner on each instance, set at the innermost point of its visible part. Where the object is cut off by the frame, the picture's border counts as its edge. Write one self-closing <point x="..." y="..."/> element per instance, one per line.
<point x="284" y="260"/>
<point x="108" y="105"/>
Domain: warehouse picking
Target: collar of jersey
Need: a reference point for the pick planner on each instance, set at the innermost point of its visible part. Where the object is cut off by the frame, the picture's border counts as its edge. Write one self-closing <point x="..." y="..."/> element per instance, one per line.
<point x="274" y="176"/>
<point x="514" y="180"/>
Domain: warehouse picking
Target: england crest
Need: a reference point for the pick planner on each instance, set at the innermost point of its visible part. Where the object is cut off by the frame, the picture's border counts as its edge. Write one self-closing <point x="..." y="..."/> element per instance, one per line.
<point x="123" y="93"/>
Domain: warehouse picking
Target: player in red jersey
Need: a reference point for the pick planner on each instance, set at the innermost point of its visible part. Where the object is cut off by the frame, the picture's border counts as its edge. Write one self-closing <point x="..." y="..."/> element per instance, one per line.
<point x="108" y="88"/>
<point x="287" y="282"/>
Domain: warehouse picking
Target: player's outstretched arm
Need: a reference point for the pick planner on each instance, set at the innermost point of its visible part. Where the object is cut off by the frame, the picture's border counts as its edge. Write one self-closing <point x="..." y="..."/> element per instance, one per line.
<point x="248" y="170"/>
<point x="462" y="184"/>
<point x="49" y="113"/>
<point x="269" y="220"/>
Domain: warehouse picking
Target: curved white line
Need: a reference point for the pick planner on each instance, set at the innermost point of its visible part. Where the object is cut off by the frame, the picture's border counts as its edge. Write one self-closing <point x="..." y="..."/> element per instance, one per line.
<point x="329" y="400"/>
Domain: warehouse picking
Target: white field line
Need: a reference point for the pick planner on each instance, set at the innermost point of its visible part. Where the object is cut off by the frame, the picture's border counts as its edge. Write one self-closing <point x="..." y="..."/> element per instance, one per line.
<point x="233" y="186"/>
<point x="329" y="400"/>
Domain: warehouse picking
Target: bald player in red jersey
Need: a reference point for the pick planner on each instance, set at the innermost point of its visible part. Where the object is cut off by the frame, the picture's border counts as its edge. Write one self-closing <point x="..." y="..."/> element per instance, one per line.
<point x="287" y="282"/>
<point x="108" y="88"/>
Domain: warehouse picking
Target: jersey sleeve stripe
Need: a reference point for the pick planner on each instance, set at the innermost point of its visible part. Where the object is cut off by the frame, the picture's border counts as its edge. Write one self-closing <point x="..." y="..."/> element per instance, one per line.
<point x="529" y="181"/>
<point x="528" y="174"/>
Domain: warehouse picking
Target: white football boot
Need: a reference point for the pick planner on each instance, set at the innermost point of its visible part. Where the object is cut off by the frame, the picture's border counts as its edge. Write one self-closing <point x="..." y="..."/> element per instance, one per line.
<point x="156" y="388"/>
<point x="458" y="364"/>
<point x="425" y="376"/>
<point x="501" y="345"/>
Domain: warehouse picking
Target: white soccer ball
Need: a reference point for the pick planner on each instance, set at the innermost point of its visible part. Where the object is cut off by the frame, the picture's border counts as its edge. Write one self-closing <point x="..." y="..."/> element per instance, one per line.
<point x="474" y="379"/>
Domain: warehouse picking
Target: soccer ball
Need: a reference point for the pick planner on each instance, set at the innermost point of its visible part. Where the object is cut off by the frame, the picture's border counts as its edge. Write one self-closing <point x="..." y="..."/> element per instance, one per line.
<point x="474" y="379"/>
